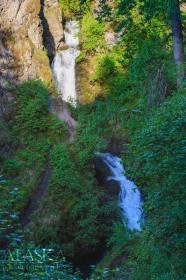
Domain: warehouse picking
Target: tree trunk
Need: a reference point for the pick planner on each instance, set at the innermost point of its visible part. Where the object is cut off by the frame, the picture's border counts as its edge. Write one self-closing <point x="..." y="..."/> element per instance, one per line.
<point x="178" y="48"/>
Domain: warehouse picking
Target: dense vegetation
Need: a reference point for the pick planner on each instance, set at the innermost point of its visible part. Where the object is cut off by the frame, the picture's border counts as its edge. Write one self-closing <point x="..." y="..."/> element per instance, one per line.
<point x="138" y="106"/>
<point x="144" y="112"/>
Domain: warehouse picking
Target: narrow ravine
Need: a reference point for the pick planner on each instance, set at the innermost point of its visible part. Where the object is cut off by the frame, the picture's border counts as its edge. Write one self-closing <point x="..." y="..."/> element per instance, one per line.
<point x="48" y="39"/>
<point x="35" y="197"/>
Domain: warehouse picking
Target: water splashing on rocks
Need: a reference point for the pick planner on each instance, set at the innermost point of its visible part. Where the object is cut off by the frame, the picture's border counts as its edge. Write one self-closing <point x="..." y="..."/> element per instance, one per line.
<point x="130" y="200"/>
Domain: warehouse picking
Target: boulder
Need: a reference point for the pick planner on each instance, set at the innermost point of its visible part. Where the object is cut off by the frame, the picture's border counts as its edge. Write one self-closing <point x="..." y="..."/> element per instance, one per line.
<point x="104" y="176"/>
<point x="112" y="187"/>
<point x="101" y="168"/>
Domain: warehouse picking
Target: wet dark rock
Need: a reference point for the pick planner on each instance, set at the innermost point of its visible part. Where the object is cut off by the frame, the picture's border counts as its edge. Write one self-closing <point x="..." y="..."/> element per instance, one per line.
<point x="115" y="146"/>
<point x="103" y="172"/>
<point x="112" y="187"/>
<point x="101" y="169"/>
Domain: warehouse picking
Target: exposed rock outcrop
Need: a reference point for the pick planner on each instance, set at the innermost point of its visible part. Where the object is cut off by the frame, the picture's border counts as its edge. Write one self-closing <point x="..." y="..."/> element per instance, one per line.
<point x="24" y="35"/>
<point x="53" y="15"/>
<point x="6" y="63"/>
<point x="105" y="177"/>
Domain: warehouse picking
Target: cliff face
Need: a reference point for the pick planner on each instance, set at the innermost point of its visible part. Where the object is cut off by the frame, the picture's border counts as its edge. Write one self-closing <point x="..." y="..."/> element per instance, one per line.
<point x="51" y="18"/>
<point x="52" y="12"/>
<point x="25" y="27"/>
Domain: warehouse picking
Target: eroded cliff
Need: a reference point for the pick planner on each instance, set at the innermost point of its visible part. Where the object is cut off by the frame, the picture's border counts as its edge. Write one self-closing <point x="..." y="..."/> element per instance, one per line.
<point x="30" y="31"/>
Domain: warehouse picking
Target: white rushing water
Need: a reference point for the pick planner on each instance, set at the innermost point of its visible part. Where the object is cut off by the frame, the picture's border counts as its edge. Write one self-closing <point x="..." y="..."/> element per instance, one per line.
<point x="64" y="64"/>
<point x="129" y="198"/>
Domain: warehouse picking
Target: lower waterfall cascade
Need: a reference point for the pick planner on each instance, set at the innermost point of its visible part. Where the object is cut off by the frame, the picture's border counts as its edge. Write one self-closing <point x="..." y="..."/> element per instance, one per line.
<point x="130" y="200"/>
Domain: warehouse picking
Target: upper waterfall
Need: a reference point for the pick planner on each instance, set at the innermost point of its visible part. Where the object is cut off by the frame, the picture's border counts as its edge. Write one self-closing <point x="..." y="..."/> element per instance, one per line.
<point x="64" y="64"/>
<point x="130" y="200"/>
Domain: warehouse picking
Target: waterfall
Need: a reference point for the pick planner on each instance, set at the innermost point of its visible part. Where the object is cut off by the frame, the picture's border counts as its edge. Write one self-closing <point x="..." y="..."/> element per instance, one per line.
<point x="64" y="64"/>
<point x="130" y="200"/>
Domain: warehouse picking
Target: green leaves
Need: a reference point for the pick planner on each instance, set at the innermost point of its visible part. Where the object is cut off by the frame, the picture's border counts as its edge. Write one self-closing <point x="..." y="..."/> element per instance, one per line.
<point x="106" y="68"/>
<point x="158" y="161"/>
<point x="91" y="34"/>
<point x="70" y="7"/>
<point x="32" y="108"/>
<point x="150" y="9"/>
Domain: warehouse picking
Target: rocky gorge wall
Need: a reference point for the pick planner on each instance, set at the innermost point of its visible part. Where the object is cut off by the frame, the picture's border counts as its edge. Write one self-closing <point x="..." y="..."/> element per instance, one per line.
<point x="30" y="31"/>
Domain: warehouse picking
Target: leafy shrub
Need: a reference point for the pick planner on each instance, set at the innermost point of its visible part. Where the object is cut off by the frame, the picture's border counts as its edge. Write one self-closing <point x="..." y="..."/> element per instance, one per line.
<point x="34" y="131"/>
<point x="32" y="109"/>
<point x="91" y="34"/>
<point x="74" y="219"/>
<point x="158" y="147"/>
<point x="106" y="68"/>
<point x="12" y="167"/>
<point x="70" y="7"/>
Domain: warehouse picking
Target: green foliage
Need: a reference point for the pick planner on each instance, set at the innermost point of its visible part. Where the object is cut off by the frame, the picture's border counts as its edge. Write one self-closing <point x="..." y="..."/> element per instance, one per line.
<point x="32" y="109"/>
<point x="74" y="8"/>
<point x="91" y="34"/>
<point x="74" y="219"/>
<point x="119" y="236"/>
<point x="158" y="163"/>
<point x="33" y="122"/>
<point x="144" y="47"/>
<point x="153" y="8"/>
<point x="104" y="11"/>
<point x="139" y="111"/>
<point x="148" y="45"/>
<point x="5" y="136"/>
<point x="34" y="131"/>
<point x="92" y="134"/>
<point x="105" y="69"/>
<point x="143" y="111"/>
<point x="12" y="167"/>
<point x="70" y="7"/>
